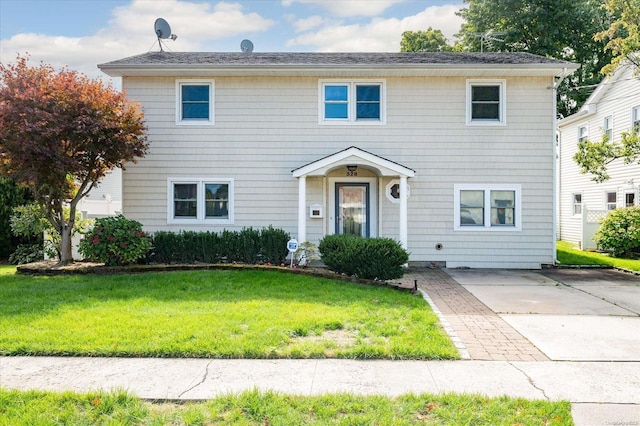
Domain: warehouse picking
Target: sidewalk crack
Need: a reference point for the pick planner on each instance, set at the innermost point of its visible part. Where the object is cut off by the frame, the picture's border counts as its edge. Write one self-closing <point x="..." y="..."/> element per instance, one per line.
<point x="530" y="380"/>
<point x="202" y="380"/>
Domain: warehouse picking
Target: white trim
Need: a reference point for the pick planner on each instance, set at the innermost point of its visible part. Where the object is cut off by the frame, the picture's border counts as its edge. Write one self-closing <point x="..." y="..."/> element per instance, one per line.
<point x="387" y="191"/>
<point x="502" y="110"/>
<point x="200" y="218"/>
<point x="353" y="155"/>
<point x="574" y="204"/>
<point x="195" y="82"/>
<point x="487" y="188"/>
<point x="373" y="199"/>
<point x="608" y="120"/>
<point x="586" y="133"/>
<point x="351" y="119"/>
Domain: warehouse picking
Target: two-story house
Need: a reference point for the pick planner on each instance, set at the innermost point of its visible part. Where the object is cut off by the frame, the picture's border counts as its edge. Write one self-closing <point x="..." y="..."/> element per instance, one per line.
<point x="612" y="108"/>
<point x="452" y="154"/>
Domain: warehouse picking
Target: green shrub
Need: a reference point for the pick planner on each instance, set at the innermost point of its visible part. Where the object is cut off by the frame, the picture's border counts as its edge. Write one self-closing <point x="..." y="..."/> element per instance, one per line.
<point x="619" y="232"/>
<point x="115" y="241"/>
<point x="26" y="253"/>
<point x="249" y="245"/>
<point x="370" y="258"/>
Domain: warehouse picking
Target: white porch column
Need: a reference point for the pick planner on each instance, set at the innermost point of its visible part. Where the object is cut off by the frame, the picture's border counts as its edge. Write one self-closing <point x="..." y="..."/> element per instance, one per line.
<point x="302" y="209"/>
<point x="404" y="195"/>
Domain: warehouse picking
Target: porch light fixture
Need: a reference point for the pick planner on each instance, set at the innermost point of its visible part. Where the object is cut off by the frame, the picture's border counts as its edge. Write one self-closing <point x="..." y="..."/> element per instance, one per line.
<point x="352" y="167"/>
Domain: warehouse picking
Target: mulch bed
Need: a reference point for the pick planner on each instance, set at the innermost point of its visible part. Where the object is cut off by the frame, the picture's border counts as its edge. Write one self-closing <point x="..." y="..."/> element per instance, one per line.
<point x="49" y="267"/>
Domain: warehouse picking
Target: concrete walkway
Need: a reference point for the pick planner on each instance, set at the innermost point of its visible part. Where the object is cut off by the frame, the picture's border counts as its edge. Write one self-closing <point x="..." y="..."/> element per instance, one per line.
<point x="516" y="329"/>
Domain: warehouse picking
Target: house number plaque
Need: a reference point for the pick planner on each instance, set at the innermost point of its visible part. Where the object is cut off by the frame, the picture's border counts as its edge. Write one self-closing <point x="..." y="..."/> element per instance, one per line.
<point x="352" y="173"/>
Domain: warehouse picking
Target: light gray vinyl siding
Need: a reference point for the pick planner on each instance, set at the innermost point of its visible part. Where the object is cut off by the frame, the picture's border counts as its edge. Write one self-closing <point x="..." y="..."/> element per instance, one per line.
<point x="265" y="127"/>
<point x="617" y="102"/>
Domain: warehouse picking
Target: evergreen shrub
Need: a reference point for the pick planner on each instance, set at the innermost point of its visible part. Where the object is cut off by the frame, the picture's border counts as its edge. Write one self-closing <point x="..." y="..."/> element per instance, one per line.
<point x="268" y="245"/>
<point x="370" y="258"/>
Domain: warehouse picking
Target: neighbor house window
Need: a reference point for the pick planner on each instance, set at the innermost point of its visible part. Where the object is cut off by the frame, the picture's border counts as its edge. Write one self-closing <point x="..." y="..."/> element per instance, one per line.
<point x="607" y="127"/>
<point x="352" y="102"/>
<point x="583" y="133"/>
<point x="194" y="102"/>
<point x="630" y="199"/>
<point x="577" y="203"/>
<point x="484" y="207"/>
<point x="200" y="201"/>
<point x="486" y="102"/>
<point x="635" y="119"/>
<point x="611" y="203"/>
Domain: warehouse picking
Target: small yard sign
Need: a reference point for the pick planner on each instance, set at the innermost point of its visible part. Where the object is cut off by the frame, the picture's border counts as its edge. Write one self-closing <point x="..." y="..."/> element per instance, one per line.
<point x="292" y="246"/>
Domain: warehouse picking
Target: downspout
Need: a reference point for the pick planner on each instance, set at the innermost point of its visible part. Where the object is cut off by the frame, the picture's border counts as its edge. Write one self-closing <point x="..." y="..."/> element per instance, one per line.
<point x="556" y="158"/>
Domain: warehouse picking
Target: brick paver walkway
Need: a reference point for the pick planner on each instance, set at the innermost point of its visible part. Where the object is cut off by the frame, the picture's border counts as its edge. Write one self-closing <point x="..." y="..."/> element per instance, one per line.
<point x="476" y="329"/>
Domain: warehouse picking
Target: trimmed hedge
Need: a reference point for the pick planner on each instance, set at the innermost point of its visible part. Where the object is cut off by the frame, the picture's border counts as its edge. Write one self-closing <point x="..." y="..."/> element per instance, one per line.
<point x="369" y="258"/>
<point x="268" y="245"/>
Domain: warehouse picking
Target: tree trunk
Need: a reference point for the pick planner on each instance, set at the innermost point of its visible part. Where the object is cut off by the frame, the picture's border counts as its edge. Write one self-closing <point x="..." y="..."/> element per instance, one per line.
<point x="66" y="254"/>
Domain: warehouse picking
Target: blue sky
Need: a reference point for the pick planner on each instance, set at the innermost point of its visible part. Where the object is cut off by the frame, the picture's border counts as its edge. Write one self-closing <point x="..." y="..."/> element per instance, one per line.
<point x="83" y="33"/>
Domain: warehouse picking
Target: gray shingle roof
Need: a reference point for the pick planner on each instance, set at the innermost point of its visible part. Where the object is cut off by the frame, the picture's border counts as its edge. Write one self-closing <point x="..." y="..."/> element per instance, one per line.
<point x="287" y="59"/>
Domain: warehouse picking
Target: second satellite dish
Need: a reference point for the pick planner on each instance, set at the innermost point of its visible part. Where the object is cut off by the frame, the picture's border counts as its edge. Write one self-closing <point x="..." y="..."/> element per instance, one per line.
<point x="246" y="46"/>
<point x="163" y="31"/>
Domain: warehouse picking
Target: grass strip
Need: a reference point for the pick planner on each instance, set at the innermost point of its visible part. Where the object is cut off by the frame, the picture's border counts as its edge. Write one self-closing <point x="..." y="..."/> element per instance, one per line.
<point x="569" y="254"/>
<point x="270" y="408"/>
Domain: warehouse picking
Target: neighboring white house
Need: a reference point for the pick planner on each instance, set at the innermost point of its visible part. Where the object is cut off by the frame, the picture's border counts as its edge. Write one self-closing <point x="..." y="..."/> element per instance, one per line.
<point x="613" y="108"/>
<point x="452" y="154"/>
<point x="105" y="199"/>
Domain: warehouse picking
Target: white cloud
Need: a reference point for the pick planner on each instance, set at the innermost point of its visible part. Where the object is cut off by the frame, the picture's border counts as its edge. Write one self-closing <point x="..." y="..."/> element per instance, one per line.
<point x="309" y="23"/>
<point x="130" y="32"/>
<point x="380" y="35"/>
<point x="347" y="8"/>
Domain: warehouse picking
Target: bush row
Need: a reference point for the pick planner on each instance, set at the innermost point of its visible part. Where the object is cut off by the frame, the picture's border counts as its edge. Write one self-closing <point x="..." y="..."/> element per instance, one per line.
<point x="268" y="245"/>
<point x="370" y="258"/>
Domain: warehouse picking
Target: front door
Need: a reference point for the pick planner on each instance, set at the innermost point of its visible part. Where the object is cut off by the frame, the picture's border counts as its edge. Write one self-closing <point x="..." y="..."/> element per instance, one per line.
<point x="352" y="209"/>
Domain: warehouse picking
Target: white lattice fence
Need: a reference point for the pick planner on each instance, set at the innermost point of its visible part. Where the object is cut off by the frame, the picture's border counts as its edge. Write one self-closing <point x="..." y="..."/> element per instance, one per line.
<point x="590" y="224"/>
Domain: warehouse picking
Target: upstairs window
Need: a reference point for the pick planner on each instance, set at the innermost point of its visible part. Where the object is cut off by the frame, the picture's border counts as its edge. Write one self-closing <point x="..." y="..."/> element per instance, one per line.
<point x="635" y="119"/>
<point x="607" y="126"/>
<point x="486" y="103"/>
<point x="194" y="102"/>
<point x="352" y="102"/>
<point x="583" y="133"/>
<point x="630" y="199"/>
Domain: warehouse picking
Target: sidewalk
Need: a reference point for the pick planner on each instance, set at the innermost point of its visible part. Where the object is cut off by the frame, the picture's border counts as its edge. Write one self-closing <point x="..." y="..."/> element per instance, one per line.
<point x="499" y="360"/>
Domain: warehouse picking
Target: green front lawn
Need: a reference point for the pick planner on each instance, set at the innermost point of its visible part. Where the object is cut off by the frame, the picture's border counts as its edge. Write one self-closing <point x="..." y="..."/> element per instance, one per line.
<point x="269" y="408"/>
<point x="569" y="254"/>
<point x="215" y="313"/>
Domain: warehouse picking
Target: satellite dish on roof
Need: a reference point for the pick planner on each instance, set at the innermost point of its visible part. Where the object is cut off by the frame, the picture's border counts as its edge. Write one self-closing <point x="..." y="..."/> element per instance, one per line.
<point x="246" y="46"/>
<point x="163" y="31"/>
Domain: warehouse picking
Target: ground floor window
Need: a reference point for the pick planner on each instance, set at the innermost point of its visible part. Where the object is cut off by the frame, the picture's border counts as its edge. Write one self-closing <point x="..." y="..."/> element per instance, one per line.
<point x="577" y="203"/>
<point x="200" y="200"/>
<point x="487" y="207"/>
<point x="611" y="200"/>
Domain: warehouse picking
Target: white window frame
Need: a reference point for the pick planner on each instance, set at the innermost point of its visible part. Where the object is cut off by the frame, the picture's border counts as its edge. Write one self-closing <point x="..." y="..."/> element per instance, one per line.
<point x="607" y="126"/>
<point x="351" y="119"/>
<point x="389" y="188"/>
<point x="608" y="205"/>
<point x="195" y="82"/>
<point x="200" y="200"/>
<point x="583" y="136"/>
<point x="502" y="109"/>
<point x="574" y="204"/>
<point x="635" y="118"/>
<point x="488" y="226"/>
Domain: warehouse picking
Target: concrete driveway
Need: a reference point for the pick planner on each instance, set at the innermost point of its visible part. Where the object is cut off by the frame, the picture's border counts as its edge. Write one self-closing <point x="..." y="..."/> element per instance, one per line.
<point x="569" y="314"/>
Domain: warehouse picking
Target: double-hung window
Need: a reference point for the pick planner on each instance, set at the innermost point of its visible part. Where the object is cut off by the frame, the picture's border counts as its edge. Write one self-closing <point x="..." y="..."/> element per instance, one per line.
<point x="583" y="133"/>
<point x="486" y="102"/>
<point x="194" y="102"/>
<point x="635" y="119"/>
<point x="607" y="126"/>
<point x="193" y="201"/>
<point x="577" y="203"/>
<point x="487" y="207"/>
<point x="352" y="102"/>
<point x="611" y="200"/>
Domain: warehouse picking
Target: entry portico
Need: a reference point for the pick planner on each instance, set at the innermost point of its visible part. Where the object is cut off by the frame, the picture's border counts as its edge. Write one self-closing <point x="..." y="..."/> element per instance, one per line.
<point x="352" y="159"/>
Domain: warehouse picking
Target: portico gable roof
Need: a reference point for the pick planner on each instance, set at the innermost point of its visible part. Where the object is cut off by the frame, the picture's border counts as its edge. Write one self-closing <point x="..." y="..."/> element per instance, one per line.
<point x="357" y="156"/>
